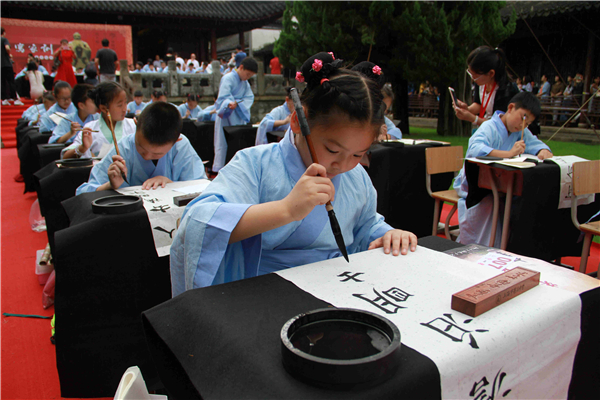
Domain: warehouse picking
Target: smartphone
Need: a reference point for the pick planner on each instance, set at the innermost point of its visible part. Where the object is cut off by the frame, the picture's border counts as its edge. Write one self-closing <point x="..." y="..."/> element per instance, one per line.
<point x="454" y="98"/>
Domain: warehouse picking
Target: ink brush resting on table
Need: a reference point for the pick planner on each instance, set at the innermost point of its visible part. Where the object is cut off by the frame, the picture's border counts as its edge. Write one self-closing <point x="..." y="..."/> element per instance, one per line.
<point x="112" y="130"/>
<point x="335" y="226"/>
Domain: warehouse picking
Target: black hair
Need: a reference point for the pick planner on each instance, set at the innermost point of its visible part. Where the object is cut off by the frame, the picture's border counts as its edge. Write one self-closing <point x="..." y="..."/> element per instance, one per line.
<point x="138" y="93"/>
<point x="105" y="42"/>
<point x="387" y="91"/>
<point x="238" y="47"/>
<point x="60" y="85"/>
<point x="527" y="101"/>
<point x="193" y="97"/>
<point x="104" y="93"/>
<point x="149" y="61"/>
<point x="484" y="59"/>
<point x="367" y="69"/>
<point x="288" y="90"/>
<point x="64" y="40"/>
<point x="169" y="50"/>
<point x="2" y="32"/>
<point x="141" y="64"/>
<point x="32" y="66"/>
<point x="250" y="64"/>
<point x="48" y="96"/>
<point x="160" y="123"/>
<point x="332" y="90"/>
<point x="80" y="93"/>
<point x="158" y="93"/>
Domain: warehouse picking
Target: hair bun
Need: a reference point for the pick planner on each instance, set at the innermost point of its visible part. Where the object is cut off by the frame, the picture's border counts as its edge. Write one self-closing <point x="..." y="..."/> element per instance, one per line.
<point x="319" y="67"/>
<point x="371" y="71"/>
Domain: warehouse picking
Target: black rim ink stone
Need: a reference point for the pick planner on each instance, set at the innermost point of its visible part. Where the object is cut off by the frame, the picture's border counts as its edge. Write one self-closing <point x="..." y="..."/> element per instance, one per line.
<point x="340" y="348"/>
<point x="120" y="204"/>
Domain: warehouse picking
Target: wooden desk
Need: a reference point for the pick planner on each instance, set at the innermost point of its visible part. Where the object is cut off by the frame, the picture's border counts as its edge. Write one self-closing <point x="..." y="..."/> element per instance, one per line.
<point x="534" y="226"/>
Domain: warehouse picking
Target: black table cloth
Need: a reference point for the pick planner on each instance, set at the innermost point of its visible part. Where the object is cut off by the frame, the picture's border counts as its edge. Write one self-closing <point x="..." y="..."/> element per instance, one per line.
<point x="223" y="342"/>
<point x="238" y="138"/>
<point x="201" y="136"/>
<point x="537" y="227"/>
<point x="398" y="174"/>
<point x="54" y="185"/>
<point x="107" y="273"/>
<point x="30" y="157"/>
<point x="49" y="152"/>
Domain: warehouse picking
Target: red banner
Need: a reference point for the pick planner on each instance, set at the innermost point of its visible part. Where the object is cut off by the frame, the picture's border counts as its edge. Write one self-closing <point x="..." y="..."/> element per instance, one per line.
<point x="42" y="39"/>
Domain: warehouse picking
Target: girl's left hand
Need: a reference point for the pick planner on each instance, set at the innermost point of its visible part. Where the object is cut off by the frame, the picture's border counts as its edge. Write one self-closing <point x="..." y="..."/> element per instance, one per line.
<point x="396" y="239"/>
<point x="544" y="154"/>
<point x="155" y="182"/>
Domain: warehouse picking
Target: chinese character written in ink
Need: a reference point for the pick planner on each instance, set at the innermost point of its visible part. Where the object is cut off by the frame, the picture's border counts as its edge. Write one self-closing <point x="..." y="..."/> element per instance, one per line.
<point x="385" y="304"/>
<point x="448" y="327"/>
<point x="33" y="48"/>
<point x="20" y="48"/>
<point x="152" y="200"/>
<point x="47" y="49"/>
<point x="349" y="277"/>
<point x="161" y="208"/>
<point x="479" y="390"/>
<point x="170" y="233"/>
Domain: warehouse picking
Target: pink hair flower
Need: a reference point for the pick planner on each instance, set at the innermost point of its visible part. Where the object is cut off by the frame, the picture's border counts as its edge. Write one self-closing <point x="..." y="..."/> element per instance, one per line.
<point x="299" y="77"/>
<point x="331" y="54"/>
<point x="377" y="70"/>
<point x="317" y="65"/>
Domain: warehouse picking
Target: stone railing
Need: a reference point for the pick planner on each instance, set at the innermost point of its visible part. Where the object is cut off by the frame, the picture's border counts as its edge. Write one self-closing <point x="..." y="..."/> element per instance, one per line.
<point x="177" y="85"/>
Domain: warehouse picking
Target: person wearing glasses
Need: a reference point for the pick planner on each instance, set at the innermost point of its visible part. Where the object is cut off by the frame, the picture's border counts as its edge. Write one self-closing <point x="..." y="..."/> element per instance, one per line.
<point x="487" y="69"/>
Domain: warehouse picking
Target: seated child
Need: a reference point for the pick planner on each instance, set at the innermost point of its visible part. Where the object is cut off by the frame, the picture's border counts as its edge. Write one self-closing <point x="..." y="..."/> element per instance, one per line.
<point x="190" y="109"/>
<point x="156" y="155"/>
<point x="62" y="94"/>
<point x="499" y="137"/>
<point x="210" y="112"/>
<point x="265" y="211"/>
<point x="277" y="120"/>
<point x="137" y="105"/>
<point x="65" y="131"/>
<point x="34" y="113"/>
<point x="373" y="72"/>
<point x="109" y="98"/>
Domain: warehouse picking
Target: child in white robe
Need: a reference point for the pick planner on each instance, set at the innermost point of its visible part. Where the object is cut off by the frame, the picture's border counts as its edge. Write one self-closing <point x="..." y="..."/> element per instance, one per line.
<point x="265" y="211"/>
<point x="110" y="98"/>
<point x="499" y="136"/>
<point x="156" y="155"/>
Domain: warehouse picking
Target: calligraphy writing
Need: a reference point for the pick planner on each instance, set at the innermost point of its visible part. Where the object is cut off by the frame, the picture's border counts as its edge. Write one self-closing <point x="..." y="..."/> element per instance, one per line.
<point x="350" y="277"/>
<point x="387" y="302"/>
<point x="449" y="328"/>
<point x="479" y="389"/>
<point x="170" y="233"/>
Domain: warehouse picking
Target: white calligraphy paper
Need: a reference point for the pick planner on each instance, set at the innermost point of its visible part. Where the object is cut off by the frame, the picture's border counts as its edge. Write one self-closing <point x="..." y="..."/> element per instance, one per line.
<point x="525" y="346"/>
<point x="566" y="181"/>
<point x="163" y="214"/>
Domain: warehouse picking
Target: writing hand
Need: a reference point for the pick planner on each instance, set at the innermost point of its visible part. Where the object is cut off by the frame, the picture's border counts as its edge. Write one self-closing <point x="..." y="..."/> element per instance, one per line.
<point x="116" y="170"/>
<point x="311" y="190"/>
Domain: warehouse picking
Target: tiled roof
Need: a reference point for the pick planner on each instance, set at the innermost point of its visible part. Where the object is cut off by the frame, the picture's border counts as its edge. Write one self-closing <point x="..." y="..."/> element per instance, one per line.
<point x="220" y="10"/>
<point x="531" y="9"/>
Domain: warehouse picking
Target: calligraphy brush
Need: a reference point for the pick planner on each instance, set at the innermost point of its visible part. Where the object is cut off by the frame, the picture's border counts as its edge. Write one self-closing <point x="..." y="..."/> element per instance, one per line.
<point x="523" y="128"/>
<point x="58" y="115"/>
<point x="112" y="130"/>
<point x="335" y="226"/>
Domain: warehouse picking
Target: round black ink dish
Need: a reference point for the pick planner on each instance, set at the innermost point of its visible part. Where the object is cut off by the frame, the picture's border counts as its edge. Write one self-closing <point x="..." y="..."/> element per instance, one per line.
<point x="75" y="162"/>
<point x="340" y="348"/>
<point x="119" y="204"/>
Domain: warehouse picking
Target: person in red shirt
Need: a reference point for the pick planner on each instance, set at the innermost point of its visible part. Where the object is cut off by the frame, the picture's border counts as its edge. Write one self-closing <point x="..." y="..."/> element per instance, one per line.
<point x="275" y="66"/>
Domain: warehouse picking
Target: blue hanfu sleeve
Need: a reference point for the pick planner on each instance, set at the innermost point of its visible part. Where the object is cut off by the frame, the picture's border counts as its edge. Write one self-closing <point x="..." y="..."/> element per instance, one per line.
<point x="266" y="125"/>
<point x="533" y="145"/>
<point x="482" y="141"/>
<point x="392" y="129"/>
<point x="200" y="254"/>
<point x="243" y="108"/>
<point x="61" y="129"/>
<point x="46" y="124"/>
<point x="98" y="175"/>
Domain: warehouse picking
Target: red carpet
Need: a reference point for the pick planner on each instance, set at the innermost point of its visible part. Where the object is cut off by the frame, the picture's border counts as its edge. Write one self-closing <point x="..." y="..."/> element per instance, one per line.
<point x="10" y="115"/>
<point x="28" y="357"/>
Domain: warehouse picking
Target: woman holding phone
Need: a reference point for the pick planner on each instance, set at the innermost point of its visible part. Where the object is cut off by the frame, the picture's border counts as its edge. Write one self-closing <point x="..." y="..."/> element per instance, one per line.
<point x="487" y="69"/>
<point x="65" y="55"/>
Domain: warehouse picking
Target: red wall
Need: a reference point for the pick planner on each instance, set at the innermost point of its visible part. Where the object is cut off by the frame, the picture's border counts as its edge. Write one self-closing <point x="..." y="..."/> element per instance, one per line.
<point x="24" y="34"/>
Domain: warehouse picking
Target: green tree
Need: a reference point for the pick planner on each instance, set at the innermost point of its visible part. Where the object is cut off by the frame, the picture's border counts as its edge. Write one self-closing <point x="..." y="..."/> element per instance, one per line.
<point x="411" y="41"/>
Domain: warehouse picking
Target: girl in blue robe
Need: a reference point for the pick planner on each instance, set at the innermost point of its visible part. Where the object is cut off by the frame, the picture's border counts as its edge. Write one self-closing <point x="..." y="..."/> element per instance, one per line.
<point x="233" y="106"/>
<point x="156" y="155"/>
<point x="62" y="94"/>
<point x="277" y="120"/>
<point x="499" y="136"/>
<point x="265" y="210"/>
<point x="190" y="109"/>
<point x="66" y="130"/>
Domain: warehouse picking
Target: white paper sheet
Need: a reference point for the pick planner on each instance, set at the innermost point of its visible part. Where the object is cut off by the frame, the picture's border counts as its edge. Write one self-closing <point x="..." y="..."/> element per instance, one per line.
<point x="530" y="341"/>
<point x="163" y="214"/>
<point x="133" y="387"/>
<point x="56" y="117"/>
<point x="194" y="188"/>
<point x="566" y="181"/>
